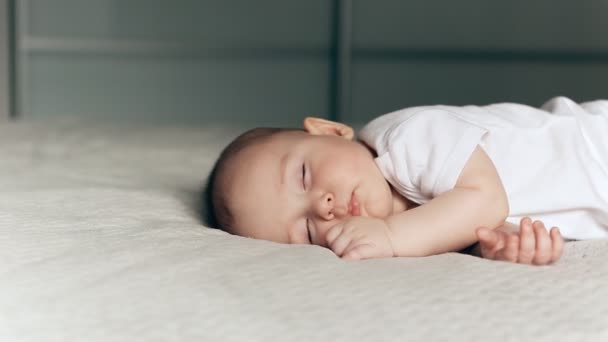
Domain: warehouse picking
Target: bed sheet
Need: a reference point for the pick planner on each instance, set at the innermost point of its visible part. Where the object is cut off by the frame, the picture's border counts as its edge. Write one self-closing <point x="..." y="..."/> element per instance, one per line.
<point x="101" y="239"/>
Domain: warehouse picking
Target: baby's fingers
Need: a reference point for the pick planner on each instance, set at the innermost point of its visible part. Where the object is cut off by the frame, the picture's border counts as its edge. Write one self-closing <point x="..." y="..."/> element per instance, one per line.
<point x="543" y="244"/>
<point x="363" y="251"/>
<point x="340" y="242"/>
<point x="510" y="251"/>
<point x="490" y="241"/>
<point x="487" y="236"/>
<point x="527" y="242"/>
<point x="333" y="233"/>
<point x="557" y="243"/>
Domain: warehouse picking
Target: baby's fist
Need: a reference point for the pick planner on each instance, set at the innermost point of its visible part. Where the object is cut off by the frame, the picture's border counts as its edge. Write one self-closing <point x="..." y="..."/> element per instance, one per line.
<point x="360" y="238"/>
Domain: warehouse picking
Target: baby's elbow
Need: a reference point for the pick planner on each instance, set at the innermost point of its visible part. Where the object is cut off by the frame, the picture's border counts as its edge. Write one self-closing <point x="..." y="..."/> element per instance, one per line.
<point x="500" y="204"/>
<point x="505" y="208"/>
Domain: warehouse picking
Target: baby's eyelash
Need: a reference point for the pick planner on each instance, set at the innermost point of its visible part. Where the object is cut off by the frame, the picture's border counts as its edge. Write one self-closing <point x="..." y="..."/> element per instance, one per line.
<point x="304" y="176"/>
<point x="308" y="230"/>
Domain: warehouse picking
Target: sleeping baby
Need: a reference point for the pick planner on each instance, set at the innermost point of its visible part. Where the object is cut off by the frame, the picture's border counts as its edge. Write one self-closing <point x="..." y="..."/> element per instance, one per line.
<point x="423" y="181"/>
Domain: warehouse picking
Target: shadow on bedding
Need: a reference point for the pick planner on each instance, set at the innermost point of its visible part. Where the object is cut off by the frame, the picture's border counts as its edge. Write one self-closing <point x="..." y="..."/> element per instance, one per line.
<point x="199" y="204"/>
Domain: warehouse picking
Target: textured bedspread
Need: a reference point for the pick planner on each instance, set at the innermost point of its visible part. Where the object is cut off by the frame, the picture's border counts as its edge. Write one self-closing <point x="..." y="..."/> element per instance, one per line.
<point x="100" y="240"/>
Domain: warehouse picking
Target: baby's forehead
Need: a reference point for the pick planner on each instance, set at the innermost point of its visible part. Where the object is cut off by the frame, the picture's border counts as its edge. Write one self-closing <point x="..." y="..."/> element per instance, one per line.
<point x="254" y="195"/>
<point x="274" y="144"/>
<point x="260" y="159"/>
<point x="252" y="162"/>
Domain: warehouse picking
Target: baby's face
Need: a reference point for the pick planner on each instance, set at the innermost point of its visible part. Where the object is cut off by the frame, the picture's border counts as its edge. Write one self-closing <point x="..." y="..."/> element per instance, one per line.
<point x="294" y="186"/>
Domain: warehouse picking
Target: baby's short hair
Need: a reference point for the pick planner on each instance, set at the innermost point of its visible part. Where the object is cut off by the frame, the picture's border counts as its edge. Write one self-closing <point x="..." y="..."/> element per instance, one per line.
<point x="218" y="213"/>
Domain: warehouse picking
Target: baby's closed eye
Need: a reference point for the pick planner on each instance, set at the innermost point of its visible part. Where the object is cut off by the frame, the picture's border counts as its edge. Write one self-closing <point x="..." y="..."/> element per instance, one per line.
<point x="308" y="231"/>
<point x="304" y="177"/>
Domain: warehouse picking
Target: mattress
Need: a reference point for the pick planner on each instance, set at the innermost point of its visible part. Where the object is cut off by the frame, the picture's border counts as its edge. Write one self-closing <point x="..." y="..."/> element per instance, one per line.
<point x="101" y="239"/>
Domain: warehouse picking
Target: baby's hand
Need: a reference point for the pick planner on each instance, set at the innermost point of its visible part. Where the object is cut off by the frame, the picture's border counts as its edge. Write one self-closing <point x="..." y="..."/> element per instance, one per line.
<point x="532" y="244"/>
<point x="360" y="238"/>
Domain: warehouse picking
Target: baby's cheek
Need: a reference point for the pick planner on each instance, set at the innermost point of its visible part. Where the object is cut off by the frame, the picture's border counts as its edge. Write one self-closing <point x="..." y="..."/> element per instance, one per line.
<point x="380" y="207"/>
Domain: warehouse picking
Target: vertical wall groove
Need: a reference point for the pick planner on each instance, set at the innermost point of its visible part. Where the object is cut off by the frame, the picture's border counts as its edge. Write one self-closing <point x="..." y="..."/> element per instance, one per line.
<point x="5" y="88"/>
<point x="340" y="54"/>
<point x="12" y="59"/>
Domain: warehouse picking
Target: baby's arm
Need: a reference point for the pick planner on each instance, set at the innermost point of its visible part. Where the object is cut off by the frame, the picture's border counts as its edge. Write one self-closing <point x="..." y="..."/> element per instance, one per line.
<point x="447" y="223"/>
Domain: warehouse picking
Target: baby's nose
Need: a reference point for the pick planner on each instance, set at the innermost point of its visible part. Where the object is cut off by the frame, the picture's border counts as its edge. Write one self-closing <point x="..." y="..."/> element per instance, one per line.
<point x="327" y="209"/>
<point x="325" y="206"/>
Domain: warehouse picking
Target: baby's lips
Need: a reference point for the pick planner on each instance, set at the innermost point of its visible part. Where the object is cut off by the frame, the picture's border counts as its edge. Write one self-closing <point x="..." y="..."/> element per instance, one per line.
<point x="355" y="210"/>
<point x="353" y="205"/>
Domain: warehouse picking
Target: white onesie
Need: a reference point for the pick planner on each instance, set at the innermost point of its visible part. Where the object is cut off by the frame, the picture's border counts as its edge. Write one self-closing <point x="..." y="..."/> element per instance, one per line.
<point x="553" y="161"/>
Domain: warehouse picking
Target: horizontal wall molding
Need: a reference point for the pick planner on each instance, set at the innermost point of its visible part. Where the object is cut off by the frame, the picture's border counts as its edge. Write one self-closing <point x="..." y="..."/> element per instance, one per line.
<point x="43" y="45"/>
<point x="48" y="45"/>
<point x="481" y="55"/>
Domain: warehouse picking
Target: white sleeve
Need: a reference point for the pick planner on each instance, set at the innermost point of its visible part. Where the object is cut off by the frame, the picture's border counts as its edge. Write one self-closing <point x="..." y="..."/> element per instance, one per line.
<point x="430" y="149"/>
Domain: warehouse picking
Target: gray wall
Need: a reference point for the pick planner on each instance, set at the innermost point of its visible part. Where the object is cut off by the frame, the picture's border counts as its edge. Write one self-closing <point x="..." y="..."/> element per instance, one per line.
<point x="417" y="52"/>
<point x="269" y="61"/>
<point x="263" y="61"/>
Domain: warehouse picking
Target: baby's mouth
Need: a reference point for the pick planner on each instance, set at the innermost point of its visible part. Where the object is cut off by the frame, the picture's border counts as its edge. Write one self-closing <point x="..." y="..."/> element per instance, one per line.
<point x="353" y="206"/>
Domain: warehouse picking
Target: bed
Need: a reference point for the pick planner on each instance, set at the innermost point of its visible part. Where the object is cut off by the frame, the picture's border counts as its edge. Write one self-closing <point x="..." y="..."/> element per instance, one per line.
<point x="102" y="239"/>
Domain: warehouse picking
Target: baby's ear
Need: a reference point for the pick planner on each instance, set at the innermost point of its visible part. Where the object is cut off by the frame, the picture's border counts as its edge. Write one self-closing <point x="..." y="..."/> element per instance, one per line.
<point x="318" y="126"/>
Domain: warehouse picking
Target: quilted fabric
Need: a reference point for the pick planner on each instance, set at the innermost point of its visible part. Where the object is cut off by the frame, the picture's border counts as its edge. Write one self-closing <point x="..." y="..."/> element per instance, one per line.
<point x="101" y="240"/>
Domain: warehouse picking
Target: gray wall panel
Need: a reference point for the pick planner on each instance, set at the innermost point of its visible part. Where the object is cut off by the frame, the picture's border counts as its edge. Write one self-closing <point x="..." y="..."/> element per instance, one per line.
<point x="481" y="24"/>
<point x="269" y="92"/>
<point x="421" y="52"/>
<point x="208" y="23"/>
<point x="269" y="61"/>
<point x="381" y="87"/>
<point x="261" y="61"/>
